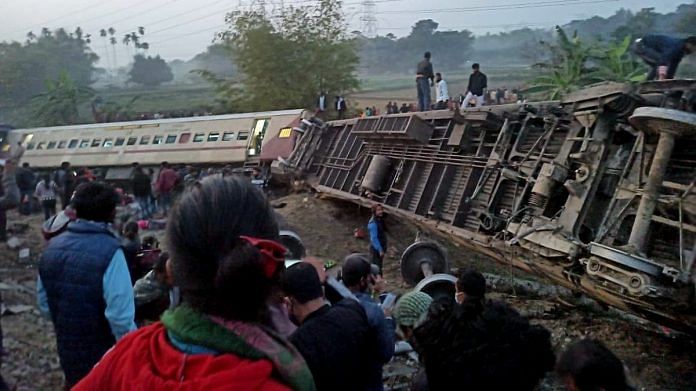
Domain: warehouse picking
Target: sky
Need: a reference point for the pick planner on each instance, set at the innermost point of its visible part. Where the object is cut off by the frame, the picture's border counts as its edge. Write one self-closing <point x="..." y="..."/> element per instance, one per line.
<point x="179" y="29"/>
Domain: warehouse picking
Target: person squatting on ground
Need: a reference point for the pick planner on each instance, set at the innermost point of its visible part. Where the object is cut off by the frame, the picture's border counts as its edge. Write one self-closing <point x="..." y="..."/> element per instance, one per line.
<point x="663" y="53"/>
<point x="84" y="283"/>
<point x="587" y="365"/>
<point x="476" y="89"/>
<point x="224" y="260"/>
<point x="358" y="278"/>
<point x="378" y="236"/>
<point x="424" y="80"/>
<point x="334" y="340"/>
<point x="47" y="191"/>
<point x="9" y="198"/>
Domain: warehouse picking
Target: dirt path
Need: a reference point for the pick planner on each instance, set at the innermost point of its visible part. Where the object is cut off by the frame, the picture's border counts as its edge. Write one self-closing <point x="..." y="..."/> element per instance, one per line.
<point x="655" y="361"/>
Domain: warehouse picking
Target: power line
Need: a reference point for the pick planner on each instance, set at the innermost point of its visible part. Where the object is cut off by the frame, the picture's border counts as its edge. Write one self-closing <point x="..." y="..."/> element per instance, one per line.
<point x="553" y="3"/>
<point x="44" y="23"/>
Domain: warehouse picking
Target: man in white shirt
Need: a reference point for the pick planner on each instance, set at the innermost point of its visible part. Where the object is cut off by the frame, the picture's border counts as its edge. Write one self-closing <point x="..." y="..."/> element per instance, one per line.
<point x="442" y="92"/>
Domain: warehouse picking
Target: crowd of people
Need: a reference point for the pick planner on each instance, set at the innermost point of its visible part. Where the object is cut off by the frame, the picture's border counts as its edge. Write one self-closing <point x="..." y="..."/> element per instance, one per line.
<point x="220" y="309"/>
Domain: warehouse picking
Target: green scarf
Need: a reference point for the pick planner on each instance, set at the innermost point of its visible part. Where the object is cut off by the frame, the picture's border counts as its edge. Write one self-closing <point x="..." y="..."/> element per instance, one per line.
<point x="245" y="340"/>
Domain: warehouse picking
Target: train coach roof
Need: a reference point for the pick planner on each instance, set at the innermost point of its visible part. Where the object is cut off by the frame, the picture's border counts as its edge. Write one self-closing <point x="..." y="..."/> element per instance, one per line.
<point x="170" y="120"/>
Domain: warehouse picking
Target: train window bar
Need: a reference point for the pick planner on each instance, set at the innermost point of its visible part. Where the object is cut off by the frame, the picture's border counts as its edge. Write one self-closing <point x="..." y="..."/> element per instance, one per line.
<point x="184" y="138"/>
<point x="144" y="140"/>
<point x="40" y="145"/>
<point x="108" y="143"/>
<point x="119" y="141"/>
<point x="243" y="136"/>
<point x="228" y="136"/>
<point x="214" y="136"/>
<point x="51" y="145"/>
<point x="73" y="143"/>
<point x="171" y="139"/>
<point x="62" y="144"/>
<point x="199" y="138"/>
<point x="31" y="146"/>
<point x="132" y="140"/>
<point x="84" y="143"/>
<point x="157" y="140"/>
<point x="96" y="142"/>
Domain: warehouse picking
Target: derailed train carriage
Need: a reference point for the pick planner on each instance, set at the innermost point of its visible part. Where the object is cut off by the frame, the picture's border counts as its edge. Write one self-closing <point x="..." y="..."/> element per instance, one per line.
<point x="237" y="139"/>
<point x="595" y="192"/>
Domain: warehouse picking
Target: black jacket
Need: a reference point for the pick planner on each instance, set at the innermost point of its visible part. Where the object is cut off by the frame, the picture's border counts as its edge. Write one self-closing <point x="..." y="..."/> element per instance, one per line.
<point x="141" y="185"/>
<point x="477" y="82"/>
<point x="335" y="342"/>
<point x="25" y="179"/>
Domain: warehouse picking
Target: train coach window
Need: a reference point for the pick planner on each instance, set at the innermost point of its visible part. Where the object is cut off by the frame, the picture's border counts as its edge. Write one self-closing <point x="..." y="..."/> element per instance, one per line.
<point x="84" y="143"/>
<point x="132" y="140"/>
<point x="184" y="138"/>
<point x="171" y="139"/>
<point x="228" y="136"/>
<point x="243" y="136"/>
<point x="157" y="140"/>
<point x="73" y="143"/>
<point x="62" y="144"/>
<point x="199" y="138"/>
<point x="108" y="143"/>
<point x="213" y="136"/>
<point x="144" y="140"/>
<point x="119" y="141"/>
<point x="96" y="142"/>
<point x="31" y="146"/>
<point x="51" y="145"/>
<point x="41" y="145"/>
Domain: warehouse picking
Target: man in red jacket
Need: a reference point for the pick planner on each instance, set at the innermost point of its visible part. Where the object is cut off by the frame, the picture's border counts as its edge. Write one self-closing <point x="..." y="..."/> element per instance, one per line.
<point x="165" y="185"/>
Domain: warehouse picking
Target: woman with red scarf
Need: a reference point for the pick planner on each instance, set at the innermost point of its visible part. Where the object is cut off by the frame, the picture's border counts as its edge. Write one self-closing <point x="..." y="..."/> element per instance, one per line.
<point x="225" y="261"/>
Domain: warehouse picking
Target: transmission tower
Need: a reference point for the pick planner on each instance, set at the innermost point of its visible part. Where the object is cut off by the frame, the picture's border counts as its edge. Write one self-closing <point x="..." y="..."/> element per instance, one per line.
<point x="368" y="19"/>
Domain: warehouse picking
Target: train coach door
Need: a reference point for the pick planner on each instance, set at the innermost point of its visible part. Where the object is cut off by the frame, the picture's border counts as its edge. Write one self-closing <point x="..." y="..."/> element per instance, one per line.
<point x="258" y="132"/>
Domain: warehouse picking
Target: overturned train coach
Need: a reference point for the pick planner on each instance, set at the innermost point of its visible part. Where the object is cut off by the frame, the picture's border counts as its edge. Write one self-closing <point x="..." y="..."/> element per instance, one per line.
<point x="595" y="192"/>
<point x="237" y="139"/>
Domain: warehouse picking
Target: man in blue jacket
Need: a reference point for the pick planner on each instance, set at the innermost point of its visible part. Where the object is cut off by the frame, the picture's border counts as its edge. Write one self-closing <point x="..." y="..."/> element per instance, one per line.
<point x="84" y="283"/>
<point x="358" y="278"/>
<point x="663" y="53"/>
<point x="378" y="236"/>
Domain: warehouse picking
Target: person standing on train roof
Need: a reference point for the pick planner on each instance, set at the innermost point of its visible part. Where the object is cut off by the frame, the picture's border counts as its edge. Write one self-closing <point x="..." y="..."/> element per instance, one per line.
<point x="166" y="181"/>
<point x="424" y="81"/>
<point x="476" y="89"/>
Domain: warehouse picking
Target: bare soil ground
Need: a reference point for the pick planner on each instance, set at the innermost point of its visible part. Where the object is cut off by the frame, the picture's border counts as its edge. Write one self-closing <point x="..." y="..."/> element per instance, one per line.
<point x="655" y="360"/>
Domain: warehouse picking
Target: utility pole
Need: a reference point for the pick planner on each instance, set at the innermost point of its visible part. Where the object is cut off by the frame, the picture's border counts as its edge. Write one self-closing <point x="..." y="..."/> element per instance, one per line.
<point x="368" y="19"/>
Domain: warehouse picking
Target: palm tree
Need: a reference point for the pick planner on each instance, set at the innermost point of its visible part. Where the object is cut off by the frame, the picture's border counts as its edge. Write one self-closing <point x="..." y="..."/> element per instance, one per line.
<point x="103" y="33"/>
<point x="31" y="36"/>
<point x="141" y="31"/>
<point x="113" y="42"/>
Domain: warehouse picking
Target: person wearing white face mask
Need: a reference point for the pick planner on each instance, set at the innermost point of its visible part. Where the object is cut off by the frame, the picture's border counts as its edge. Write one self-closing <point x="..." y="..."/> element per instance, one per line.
<point x="470" y="286"/>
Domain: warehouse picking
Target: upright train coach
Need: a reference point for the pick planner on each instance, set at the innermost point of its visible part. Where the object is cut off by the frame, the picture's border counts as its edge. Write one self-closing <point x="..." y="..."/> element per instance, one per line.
<point x="235" y="139"/>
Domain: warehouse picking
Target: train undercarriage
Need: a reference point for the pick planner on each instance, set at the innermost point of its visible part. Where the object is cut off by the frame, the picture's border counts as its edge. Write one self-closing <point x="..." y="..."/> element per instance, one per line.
<point x="596" y="192"/>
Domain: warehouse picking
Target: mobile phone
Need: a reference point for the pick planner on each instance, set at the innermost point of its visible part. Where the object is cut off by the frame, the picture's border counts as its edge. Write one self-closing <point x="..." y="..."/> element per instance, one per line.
<point x="389" y="300"/>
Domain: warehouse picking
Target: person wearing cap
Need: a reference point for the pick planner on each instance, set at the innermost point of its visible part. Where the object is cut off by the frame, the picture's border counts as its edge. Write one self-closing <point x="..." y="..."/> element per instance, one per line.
<point x="663" y="53"/>
<point x="344" y="363"/>
<point x="358" y="278"/>
<point x="410" y="311"/>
